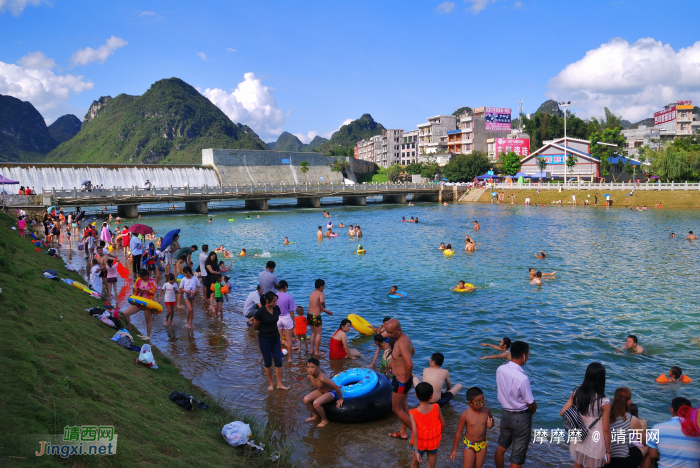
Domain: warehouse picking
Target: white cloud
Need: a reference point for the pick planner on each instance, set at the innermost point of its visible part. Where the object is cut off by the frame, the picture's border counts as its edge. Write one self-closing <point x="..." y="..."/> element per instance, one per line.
<point x="148" y="13"/>
<point x="478" y="5"/>
<point x="202" y="55"/>
<point x="632" y="80"/>
<point x="34" y="80"/>
<point x="89" y="55"/>
<point x="518" y="5"/>
<point x="445" y="7"/>
<point x="231" y="50"/>
<point x="330" y="133"/>
<point x="16" y="7"/>
<point x="306" y="139"/>
<point x="251" y="103"/>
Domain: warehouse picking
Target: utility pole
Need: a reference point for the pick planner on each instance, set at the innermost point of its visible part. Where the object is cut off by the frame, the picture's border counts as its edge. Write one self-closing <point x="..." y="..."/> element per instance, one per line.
<point x="520" y="116"/>
<point x="565" y="104"/>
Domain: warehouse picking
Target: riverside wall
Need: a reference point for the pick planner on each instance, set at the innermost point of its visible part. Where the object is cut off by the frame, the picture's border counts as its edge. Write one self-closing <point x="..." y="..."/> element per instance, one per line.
<point x="244" y="167"/>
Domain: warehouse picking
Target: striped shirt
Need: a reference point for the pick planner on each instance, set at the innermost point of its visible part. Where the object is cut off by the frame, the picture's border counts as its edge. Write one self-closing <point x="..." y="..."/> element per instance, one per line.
<point x="619" y="447"/>
<point x="676" y="449"/>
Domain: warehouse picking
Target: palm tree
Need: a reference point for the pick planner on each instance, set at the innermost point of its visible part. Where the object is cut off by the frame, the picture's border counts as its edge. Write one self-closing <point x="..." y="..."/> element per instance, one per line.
<point x="542" y="165"/>
<point x="304" y="168"/>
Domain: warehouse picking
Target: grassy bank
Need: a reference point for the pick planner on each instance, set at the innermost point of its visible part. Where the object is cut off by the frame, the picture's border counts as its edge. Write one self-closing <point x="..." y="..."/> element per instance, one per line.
<point x="59" y="368"/>
<point x="668" y="199"/>
<point x="378" y="177"/>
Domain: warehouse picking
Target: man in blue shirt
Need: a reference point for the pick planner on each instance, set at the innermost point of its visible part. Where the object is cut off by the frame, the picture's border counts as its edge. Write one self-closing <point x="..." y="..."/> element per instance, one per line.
<point x="136" y="248"/>
<point x="674" y="449"/>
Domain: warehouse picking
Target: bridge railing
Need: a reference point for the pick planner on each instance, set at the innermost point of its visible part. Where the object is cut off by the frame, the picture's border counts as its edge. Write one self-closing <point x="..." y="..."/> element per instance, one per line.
<point x="624" y="186"/>
<point x="213" y="191"/>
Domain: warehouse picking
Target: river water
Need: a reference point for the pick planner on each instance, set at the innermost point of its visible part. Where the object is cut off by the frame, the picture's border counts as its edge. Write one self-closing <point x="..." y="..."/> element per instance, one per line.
<point x="617" y="273"/>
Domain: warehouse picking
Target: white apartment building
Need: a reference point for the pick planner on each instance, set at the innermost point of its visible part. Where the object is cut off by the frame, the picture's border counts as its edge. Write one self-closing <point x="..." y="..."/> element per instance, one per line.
<point x="409" y="148"/>
<point x="429" y="134"/>
<point x="471" y="134"/>
<point x="670" y="122"/>
<point x="365" y="150"/>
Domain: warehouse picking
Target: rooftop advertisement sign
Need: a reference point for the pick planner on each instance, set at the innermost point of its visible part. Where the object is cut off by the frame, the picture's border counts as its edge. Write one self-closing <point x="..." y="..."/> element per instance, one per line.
<point x="497" y="118"/>
<point x="520" y="146"/>
<point x="664" y="116"/>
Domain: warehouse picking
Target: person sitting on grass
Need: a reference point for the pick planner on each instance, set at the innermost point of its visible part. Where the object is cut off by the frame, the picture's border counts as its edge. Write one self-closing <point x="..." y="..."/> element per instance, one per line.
<point x="326" y="391"/>
<point x="503" y="346"/>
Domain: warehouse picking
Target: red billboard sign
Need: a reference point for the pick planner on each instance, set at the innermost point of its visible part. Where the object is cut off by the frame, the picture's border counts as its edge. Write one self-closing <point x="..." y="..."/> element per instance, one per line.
<point x="664" y="116"/>
<point x="520" y="146"/>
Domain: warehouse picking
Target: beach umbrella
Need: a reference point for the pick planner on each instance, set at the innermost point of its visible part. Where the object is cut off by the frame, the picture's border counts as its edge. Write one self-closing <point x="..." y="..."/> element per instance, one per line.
<point x="80" y="216"/>
<point x="50" y="209"/>
<point x="140" y="229"/>
<point x="168" y="239"/>
<point x="7" y="181"/>
<point x="85" y="182"/>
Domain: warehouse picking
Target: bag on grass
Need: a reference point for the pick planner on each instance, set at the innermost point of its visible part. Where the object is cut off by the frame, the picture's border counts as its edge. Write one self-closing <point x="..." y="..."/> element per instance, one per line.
<point x="107" y="321"/>
<point x="96" y="311"/>
<point x="236" y="433"/>
<point x="52" y="252"/>
<point x="146" y="357"/>
<point x="186" y="401"/>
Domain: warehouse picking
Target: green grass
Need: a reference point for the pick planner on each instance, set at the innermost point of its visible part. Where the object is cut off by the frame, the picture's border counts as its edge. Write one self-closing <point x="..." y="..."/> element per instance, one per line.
<point x="379" y="176"/>
<point x="59" y="368"/>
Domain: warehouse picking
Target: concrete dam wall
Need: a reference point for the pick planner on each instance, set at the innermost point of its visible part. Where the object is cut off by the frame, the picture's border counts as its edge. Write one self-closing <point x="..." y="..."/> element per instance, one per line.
<point x="244" y="167"/>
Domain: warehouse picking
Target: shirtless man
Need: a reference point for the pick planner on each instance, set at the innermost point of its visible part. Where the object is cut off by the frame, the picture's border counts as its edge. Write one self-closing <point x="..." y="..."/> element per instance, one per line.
<point x="402" y="368"/>
<point x="691" y="236"/>
<point x="537" y="279"/>
<point x="102" y="257"/>
<point x="436" y="376"/>
<point x="351" y="230"/>
<point x="319" y="233"/>
<point x="503" y="346"/>
<point x="532" y="273"/>
<point x="631" y="345"/>
<point x="542" y="255"/>
<point x="317" y="304"/>
<point x="358" y="231"/>
<point x="476" y="226"/>
<point x="326" y="391"/>
<point x="470" y="245"/>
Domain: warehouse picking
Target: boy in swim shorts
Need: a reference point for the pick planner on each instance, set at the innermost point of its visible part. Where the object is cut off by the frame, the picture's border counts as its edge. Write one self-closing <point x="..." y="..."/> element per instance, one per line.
<point x="326" y="391"/>
<point x="436" y="376"/>
<point x="427" y="425"/>
<point x="476" y="419"/>
<point x="300" y="328"/>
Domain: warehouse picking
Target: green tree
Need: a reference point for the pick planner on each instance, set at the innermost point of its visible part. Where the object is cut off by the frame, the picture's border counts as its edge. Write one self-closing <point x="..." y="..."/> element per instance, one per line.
<point x="510" y="163"/>
<point x="414" y="168"/>
<point x="604" y="153"/>
<point x="571" y="161"/>
<point x="431" y="169"/>
<point x="541" y="165"/>
<point x="304" y="168"/>
<point x="393" y="172"/>
<point x="465" y="167"/>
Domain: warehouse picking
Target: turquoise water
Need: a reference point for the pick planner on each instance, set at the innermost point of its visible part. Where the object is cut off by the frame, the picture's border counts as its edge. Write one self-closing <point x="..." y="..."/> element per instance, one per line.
<point x="617" y="273"/>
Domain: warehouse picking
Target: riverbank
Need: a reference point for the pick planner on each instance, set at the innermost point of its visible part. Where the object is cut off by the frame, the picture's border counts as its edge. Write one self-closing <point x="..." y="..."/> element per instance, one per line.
<point x="59" y="368"/>
<point x="648" y="198"/>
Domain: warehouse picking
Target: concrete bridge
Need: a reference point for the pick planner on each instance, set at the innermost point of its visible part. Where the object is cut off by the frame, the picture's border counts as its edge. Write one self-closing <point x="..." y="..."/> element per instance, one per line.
<point x="256" y="197"/>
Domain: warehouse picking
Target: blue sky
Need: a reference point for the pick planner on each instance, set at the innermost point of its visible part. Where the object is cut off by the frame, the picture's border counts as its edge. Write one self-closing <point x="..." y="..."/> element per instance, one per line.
<point x="306" y="67"/>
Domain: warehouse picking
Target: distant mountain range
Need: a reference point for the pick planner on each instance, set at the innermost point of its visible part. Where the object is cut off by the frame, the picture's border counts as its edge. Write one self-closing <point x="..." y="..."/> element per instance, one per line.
<point x="65" y="128"/>
<point x="289" y="142"/>
<point x="347" y="135"/>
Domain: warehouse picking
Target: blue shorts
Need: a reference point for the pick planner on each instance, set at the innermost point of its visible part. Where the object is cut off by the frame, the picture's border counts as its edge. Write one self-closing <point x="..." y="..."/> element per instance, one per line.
<point x="335" y="395"/>
<point x="423" y="452"/>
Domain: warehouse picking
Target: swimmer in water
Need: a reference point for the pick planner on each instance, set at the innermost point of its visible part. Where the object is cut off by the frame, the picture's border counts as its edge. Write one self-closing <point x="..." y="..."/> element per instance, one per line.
<point x="532" y="273"/>
<point x="503" y="347"/>
<point x="411" y="220"/>
<point x="403" y="219"/>
<point x="258" y="216"/>
<point x="631" y="346"/>
<point x="210" y="220"/>
<point x="319" y="233"/>
<point x="341" y="225"/>
<point x="329" y="232"/>
<point x="286" y="241"/>
<point x="358" y="231"/>
<point x="462" y="285"/>
<point x="476" y="226"/>
<point x="675" y="374"/>
<point x="416" y="219"/>
<point x="537" y="279"/>
<point x="691" y="236"/>
<point x="243" y="254"/>
<point x="326" y="214"/>
<point x="672" y="235"/>
<point x="444" y="204"/>
<point x="442" y="246"/>
<point x="351" y="231"/>
<point x="470" y="245"/>
<point x="394" y="291"/>
<point x="360" y="250"/>
<point x="541" y="255"/>
<point x="448" y="250"/>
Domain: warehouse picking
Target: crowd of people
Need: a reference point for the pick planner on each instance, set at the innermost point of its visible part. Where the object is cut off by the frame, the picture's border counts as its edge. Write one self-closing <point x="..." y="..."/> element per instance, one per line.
<point x="282" y="326"/>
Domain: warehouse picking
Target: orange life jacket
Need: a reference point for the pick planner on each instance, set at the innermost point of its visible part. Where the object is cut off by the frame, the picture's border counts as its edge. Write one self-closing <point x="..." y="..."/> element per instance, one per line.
<point x="428" y="427"/>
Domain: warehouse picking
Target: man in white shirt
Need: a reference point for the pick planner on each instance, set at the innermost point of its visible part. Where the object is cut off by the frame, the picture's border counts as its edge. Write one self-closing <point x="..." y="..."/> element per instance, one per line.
<point x="251" y="305"/>
<point x="203" y="273"/>
<point x="515" y="396"/>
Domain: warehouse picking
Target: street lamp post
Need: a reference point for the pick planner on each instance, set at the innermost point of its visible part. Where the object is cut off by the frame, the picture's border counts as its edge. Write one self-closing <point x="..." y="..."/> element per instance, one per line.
<point x="565" y="104"/>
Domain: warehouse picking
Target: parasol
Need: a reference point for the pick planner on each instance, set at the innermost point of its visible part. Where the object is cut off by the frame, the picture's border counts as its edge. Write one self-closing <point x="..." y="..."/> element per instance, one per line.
<point x="140" y="229"/>
<point x="168" y="239"/>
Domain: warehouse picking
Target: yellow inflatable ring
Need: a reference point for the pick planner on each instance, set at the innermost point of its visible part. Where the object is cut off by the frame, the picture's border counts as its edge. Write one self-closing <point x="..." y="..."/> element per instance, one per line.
<point x="360" y="252"/>
<point x="448" y="253"/>
<point x="360" y="325"/>
<point x="468" y="288"/>
<point x="147" y="303"/>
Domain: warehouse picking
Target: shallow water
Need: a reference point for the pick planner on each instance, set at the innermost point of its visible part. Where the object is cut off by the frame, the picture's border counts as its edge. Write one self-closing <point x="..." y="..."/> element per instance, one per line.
<point x="617" y="273"/>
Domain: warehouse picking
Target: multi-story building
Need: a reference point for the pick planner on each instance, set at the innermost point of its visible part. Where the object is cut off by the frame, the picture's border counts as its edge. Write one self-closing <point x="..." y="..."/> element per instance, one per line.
<point x="429" y="134"/>
<point x="409" y="148"/>
<point x="472" y="134"/>
<point x="390" y="147"/>
<point x="669" y="123"/>
<point x="365" y="150"/>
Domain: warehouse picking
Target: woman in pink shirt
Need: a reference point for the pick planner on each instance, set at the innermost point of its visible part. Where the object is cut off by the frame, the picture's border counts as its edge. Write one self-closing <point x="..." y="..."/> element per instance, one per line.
<point x="21" y="224"/>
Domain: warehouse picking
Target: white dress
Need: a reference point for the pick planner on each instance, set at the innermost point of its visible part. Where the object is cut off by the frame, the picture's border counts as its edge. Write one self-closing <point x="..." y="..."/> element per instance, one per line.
<point x="590" y="453"/>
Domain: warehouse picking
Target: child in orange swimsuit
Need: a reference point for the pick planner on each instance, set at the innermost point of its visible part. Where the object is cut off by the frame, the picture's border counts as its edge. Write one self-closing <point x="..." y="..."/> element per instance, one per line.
<point x="427" y="425"/>
<point x="477" y="418"/>
<point x="300" y="328"/>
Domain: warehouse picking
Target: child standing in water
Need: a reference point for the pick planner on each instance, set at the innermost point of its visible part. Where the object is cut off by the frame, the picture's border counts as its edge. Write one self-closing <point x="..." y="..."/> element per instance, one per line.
<point x="427" y="425"/>
<point x="171" y="290"/>
<point x="476" y="419"/>
<point x="300" y="328"/>
<point x="218" y="295"/>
